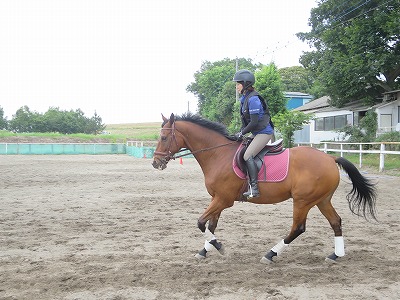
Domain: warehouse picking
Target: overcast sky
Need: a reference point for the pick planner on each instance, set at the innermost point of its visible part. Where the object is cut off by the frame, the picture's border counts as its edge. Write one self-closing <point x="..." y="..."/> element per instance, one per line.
<point x="131" y="60"/>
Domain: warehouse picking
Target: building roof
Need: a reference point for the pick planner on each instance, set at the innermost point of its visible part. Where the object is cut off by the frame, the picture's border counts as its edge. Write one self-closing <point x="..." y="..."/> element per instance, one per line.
<point x="392" y="92"/>
<point x="322" y="105"/>
<point x="297" y="95"/>
<point x="383" y="104"/>
<point x="314" y="105"/>
<point x="357" y="105"/>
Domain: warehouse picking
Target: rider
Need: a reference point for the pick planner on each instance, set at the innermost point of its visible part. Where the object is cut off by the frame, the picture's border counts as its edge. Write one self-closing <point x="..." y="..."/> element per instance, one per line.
<point x="256" y="119"/>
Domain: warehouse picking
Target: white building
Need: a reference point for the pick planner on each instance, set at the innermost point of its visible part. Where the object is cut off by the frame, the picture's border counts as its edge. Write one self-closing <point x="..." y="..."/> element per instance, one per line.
<point x="329" y="119"/>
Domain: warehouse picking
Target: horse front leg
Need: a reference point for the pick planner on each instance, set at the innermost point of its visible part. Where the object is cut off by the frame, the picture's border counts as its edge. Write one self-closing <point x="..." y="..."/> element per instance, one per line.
<point x="210" y="239"/>
<point x="211" y="215"/>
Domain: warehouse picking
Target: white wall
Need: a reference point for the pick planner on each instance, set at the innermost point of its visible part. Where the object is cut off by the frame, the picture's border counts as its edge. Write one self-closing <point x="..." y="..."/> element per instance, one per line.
<point x="391" y="109"/>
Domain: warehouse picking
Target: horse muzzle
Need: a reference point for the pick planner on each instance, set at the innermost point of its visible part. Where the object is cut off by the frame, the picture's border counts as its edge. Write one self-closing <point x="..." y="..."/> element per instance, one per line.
<point x="159" y="163"/>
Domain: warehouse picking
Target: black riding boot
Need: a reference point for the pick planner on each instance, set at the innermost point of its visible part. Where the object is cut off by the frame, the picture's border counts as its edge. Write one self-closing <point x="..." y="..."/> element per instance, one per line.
<point x="253" y="179"/>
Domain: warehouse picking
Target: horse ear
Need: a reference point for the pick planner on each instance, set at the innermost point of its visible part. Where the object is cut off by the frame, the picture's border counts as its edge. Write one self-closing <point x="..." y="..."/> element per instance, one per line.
<point x="164" y="118"/>
<point x="172" y="119"/>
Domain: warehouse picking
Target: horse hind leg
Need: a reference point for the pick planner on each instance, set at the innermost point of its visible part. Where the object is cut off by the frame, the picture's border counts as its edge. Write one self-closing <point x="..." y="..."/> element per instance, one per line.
<point x="335" y="221"/>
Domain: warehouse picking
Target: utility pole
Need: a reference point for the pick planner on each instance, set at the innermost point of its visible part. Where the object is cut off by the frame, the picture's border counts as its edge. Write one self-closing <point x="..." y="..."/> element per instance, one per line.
<point x="237" y="69"/>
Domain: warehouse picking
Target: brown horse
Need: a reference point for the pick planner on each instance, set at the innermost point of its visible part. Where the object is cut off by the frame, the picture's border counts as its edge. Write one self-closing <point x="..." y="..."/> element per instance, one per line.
<point x="312" y="178"/>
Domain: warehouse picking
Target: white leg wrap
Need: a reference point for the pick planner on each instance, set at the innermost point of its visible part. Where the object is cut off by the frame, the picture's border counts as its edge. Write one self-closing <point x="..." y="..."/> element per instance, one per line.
<point x="208" y="246"/>
<point x="339" y="246"/>
<point x="208" y="235"/>
<point x="280" y="247"/>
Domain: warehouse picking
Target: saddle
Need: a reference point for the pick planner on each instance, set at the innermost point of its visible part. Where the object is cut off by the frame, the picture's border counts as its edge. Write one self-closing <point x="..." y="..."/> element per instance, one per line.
<point x="272" y="162"/>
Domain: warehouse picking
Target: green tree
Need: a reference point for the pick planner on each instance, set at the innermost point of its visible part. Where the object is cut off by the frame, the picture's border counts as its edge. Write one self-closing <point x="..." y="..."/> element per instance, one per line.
<point x="24" y="120"/>
<point x="3" y="120"/>
<point x="296" y="79"/>
<point x="364" y="132"/>
<point x="55" y="120"/>
<point x="269" y="85"/>
<point x="287" y="122"/>
<point x="215" y="90"/>
<point x="95" y="124"/>
<point x="357" y="51"/>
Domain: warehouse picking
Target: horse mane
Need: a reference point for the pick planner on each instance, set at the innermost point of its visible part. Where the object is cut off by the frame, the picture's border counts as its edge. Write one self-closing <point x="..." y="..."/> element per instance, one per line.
<point x="197" y="119"/>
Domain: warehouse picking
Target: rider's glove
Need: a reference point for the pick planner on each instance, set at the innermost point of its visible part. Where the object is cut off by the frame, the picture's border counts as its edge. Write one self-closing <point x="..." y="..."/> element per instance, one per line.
<point x="239" y="135"/>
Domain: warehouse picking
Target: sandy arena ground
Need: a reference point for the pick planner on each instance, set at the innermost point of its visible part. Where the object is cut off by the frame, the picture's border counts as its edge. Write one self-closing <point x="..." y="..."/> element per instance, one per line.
<point x="112" y="227"/>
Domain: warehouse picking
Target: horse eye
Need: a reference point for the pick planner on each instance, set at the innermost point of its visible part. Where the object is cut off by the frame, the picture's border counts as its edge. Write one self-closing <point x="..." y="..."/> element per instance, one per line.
<point x="164" y="138"/>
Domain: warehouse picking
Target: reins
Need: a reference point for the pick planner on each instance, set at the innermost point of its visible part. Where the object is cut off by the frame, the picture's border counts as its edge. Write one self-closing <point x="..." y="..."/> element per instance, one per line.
<point x="200" y="150"/>
<point x="168" y="155"/>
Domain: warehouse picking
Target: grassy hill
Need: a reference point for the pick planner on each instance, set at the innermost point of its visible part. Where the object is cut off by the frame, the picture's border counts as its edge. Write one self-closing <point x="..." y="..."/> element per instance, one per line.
<point x="136" y="131"/>
<point x="115" y="133"/>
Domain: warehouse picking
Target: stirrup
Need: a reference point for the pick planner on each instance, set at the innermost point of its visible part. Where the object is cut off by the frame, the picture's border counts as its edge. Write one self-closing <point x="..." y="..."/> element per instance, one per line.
<point x="249" y="194"/>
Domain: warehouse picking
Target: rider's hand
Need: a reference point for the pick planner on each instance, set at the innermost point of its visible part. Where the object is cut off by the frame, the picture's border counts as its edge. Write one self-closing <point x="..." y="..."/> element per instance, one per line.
<point x="239" y="135"/>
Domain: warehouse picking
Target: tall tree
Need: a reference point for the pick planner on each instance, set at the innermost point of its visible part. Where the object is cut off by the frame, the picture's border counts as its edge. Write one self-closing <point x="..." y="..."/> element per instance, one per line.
<point x="215" y="90"/>
<point x="3" y="120"/>
<point x="24" y="120"/>
<point x="299" y="79"/>
<point x="269" y="85"/>
<point x="55" y="120"/>
<point x="357" y="51"/>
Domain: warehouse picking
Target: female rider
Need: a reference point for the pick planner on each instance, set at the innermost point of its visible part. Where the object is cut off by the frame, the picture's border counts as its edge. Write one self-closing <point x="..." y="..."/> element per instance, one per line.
<point x="256" y="119"/>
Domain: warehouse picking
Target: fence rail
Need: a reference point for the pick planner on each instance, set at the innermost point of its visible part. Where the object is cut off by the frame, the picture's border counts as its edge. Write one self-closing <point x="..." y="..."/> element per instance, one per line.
<point x="341" y="148"/>
<point x="62" y="148"/>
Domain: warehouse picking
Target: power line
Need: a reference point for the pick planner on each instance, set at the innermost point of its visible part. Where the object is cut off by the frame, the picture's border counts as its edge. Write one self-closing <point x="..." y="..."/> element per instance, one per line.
<point x="354" y="8"/>
<point x="362" y="14"/>
<point x="344" y="13"/>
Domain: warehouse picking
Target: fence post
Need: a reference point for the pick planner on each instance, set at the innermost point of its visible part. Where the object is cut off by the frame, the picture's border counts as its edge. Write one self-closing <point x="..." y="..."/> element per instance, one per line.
<point x="325" y="147"/>
<point x="341" y="150"/>
<point x="360" y="164"/>
<point x="382" y="158"/>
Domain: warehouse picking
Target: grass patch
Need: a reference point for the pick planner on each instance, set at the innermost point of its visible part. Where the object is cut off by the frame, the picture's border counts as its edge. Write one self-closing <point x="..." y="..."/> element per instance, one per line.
<point x="117" y="133"/>
<point x="371" y="160"/>
<point x="136" y="131"/>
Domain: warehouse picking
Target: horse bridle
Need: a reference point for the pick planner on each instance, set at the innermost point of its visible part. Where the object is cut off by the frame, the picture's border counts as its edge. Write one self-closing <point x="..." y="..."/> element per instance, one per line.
<point x="168" y="155"/>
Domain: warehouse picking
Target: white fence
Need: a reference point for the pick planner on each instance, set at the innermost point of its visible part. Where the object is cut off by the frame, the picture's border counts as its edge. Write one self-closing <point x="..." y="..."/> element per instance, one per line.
<point x="141" y="143"/>
<point x="342" y="148"/>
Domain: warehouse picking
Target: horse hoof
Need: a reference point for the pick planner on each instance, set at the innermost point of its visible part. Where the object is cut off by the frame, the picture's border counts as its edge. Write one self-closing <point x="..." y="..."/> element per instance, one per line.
<point x="221" y="250"/>
<point x="330" y="261"/>
<point x="199" y="256"/>
<point x="331" y="258"/>
<point x="266" y="261"/>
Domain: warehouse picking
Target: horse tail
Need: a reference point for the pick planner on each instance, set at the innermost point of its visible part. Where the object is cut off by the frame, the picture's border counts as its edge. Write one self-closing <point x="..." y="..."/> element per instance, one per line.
<point x="363" y="194"/>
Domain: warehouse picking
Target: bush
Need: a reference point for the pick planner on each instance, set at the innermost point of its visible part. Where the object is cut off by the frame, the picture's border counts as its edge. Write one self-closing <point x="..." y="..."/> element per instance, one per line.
<point x="393" y="136"/>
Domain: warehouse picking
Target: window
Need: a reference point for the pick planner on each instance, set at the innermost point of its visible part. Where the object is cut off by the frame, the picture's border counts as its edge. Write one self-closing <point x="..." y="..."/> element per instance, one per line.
<point x="340" y="121"/>
<point x="358" y="115"/>
<point x="398" y="114"/>
<point x="332" y="123"/>
<point x="386" y="122"/>
<point x="319" y="124"/>
<point x="329" y="123"/>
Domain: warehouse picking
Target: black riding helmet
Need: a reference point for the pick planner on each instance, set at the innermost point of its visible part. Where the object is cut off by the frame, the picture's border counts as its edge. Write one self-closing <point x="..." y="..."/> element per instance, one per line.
<point x="245" y="77"/>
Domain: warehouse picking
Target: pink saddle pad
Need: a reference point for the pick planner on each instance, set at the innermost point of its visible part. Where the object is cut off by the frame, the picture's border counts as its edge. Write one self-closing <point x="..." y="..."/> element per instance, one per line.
<point x="274" y="169"/>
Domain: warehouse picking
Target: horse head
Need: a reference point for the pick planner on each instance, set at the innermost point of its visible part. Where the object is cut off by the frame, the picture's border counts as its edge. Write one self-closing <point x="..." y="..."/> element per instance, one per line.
<point x="168" y="143"/>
